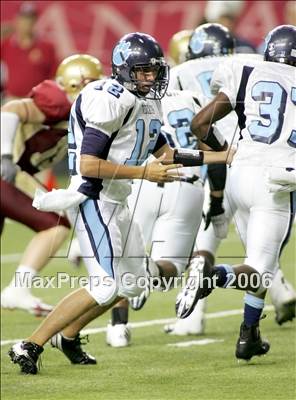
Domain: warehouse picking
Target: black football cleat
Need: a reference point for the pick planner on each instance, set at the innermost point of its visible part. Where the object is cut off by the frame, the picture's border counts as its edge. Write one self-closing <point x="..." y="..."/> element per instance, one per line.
<point x="249" y="343"/>
<point x="26" y="355"/>
<point x="72" y="349"/>
<point x="199" y="284"/>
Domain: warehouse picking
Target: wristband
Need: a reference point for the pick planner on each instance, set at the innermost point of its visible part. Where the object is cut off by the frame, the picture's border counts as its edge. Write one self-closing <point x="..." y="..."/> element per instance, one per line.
<point x="188" y="158"/>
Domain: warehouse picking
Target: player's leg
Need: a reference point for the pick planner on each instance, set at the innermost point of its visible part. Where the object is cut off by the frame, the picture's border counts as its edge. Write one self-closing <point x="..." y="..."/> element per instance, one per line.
<point x="72" y="307"/>
<point x="69" y="340"/>
<point x="206" y="245"/>
<point x="118" y="331"/>
<point x="144" y="203"/>
<point x="100" y="241"/>
<point x="101" y="246"/>
<point x="282" y="293"/>
<point x="52" y="230"/>
<point x="263" y="249"/>
<point x="174" y="236"/>
<point x="174" y="233"/>
<point x="175" y="230"/>
<point x="132" y="269"/>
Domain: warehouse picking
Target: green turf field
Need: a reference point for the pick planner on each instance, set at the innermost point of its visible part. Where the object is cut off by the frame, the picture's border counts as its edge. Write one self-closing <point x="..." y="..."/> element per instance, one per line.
<point x="150" y="368"/>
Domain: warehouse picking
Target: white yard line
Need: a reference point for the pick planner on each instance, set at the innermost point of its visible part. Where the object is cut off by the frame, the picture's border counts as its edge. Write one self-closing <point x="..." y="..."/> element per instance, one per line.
<point x="143" y="324"/>
<point x="9" y="258"/>
<point x="200" y="342"/>
<point x="15" y="257"/>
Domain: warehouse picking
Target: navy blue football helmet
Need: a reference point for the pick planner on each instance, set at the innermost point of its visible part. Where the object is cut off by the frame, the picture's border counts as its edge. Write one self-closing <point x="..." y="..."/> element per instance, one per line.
<point x="210" y="40"/>
<point x="140" y="52"/>
<point x="280" y="45"/>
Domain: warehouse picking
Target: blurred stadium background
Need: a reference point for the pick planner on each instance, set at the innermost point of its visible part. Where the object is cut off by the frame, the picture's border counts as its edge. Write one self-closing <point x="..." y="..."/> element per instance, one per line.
<point x="94" y="26"/>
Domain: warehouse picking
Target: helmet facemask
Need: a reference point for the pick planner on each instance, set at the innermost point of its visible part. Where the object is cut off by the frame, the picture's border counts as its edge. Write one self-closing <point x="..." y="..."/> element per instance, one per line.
<point x="153" y="80"/>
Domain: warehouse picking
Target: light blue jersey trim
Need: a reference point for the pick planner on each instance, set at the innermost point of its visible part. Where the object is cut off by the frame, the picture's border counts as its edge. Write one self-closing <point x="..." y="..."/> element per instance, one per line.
<point x="98" y="234"/>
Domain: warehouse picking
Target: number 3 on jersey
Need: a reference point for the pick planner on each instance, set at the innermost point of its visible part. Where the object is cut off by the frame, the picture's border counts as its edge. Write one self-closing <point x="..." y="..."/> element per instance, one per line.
<point x="273" y="98"/>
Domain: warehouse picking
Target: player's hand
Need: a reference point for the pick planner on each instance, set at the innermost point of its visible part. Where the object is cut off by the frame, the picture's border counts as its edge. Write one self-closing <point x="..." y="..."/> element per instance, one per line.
<point x="216" y="216"/>
<point x="157" y="172"/>
<point x="8" y="168"/>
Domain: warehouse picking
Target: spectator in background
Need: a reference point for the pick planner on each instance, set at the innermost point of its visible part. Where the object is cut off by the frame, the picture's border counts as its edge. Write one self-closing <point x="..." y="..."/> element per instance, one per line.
<point x="28" y="59"/>
<point x="226" y="13"/>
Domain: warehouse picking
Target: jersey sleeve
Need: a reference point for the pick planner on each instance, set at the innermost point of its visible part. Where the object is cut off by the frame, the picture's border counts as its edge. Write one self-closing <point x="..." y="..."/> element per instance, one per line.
<point x="52" y="100"/>
<point x="174" y="82"/>
<point x="105" y="111"/>
<point x="224" y="80"/>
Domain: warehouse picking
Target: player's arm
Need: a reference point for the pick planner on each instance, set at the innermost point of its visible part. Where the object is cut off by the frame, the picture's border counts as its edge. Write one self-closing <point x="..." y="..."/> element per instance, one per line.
<point x="94" y="167"/>
<point x="201" y="124"/>
<point x="191" y="158"/>
<point x="95" y="145"/>
<point x="12" y="114"/>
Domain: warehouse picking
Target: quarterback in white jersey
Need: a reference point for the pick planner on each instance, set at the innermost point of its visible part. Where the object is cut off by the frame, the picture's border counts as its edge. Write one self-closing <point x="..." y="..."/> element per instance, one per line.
<point x="108" y="141"/>
<point x="263" y="97"/>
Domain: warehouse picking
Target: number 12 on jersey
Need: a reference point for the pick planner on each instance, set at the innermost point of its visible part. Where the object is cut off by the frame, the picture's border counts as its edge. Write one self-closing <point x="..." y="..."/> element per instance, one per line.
<point x="154" y="129"/>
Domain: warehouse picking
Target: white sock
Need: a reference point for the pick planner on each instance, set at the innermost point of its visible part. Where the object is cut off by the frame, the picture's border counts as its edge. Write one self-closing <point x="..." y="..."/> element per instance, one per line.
<point x="23" y="277"/>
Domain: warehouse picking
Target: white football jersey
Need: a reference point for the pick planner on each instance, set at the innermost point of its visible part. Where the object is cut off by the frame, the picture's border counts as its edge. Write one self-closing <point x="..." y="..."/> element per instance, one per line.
<point x="179" y="107"/>
<point x="196" y="75"/>
<point x="128" y="127"/>
<point x="263" y="95"/>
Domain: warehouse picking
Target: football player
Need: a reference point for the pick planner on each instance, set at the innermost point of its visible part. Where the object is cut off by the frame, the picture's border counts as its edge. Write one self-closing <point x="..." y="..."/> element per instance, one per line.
<point x="210" y="45"/>
<point x="34" y="137"/>
<point x="263" y="96"/>
<point x="114" y="125"/>
<point x="178" y="47"/>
